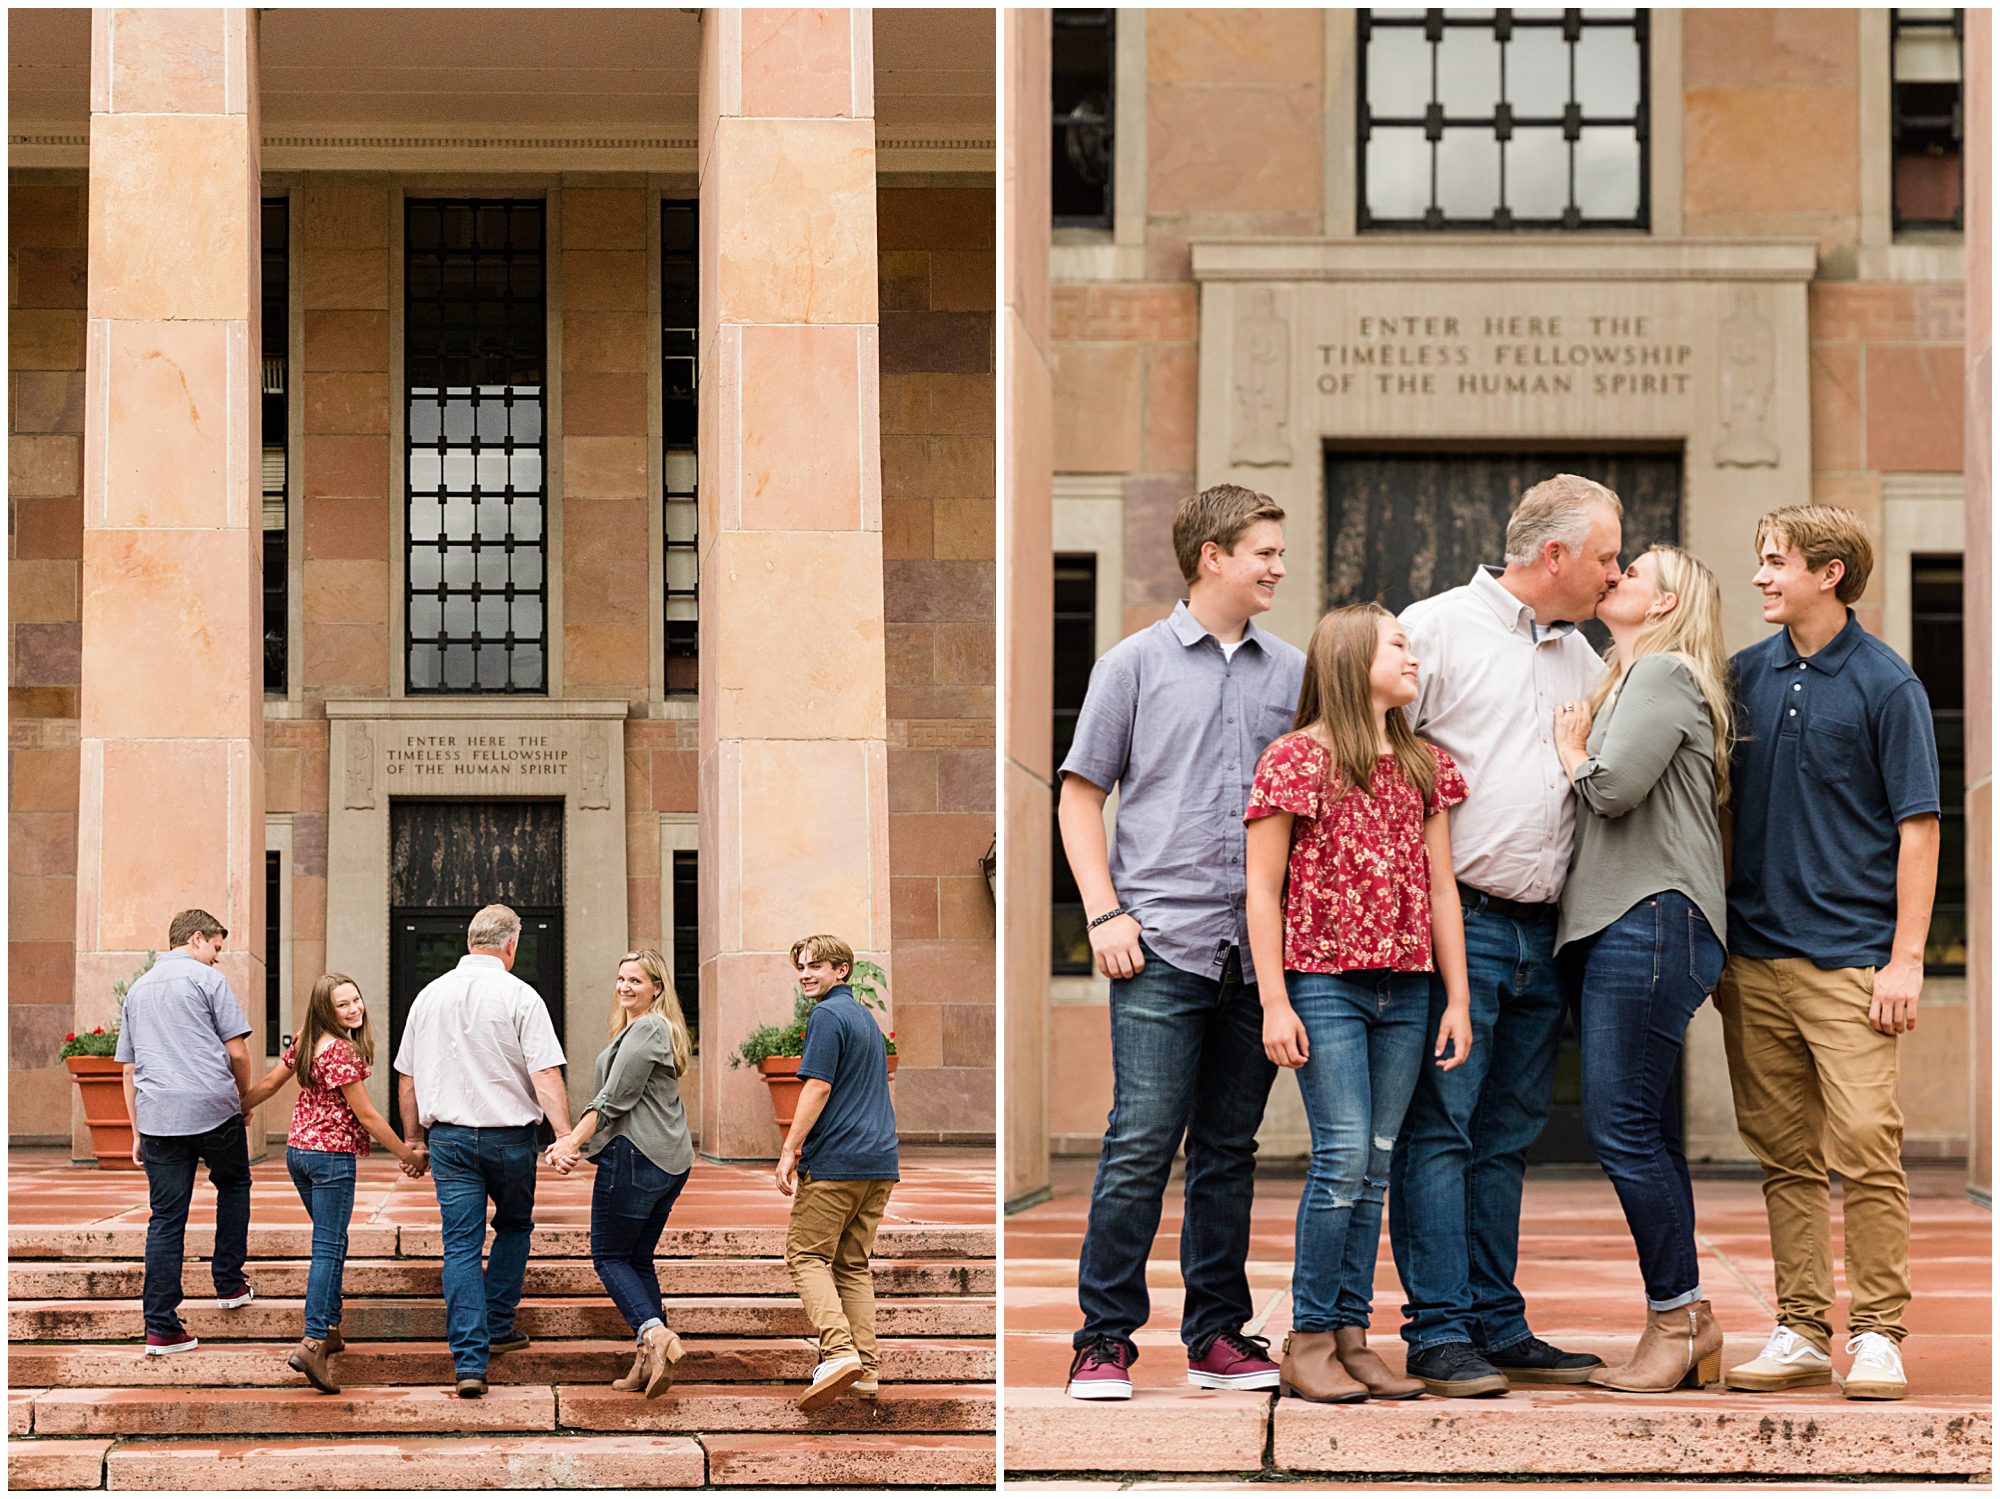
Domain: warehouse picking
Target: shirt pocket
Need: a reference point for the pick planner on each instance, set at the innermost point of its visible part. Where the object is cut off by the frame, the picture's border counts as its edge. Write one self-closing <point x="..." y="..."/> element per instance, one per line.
<point x="1277" y="719"/>
<point x="1831" y="750"/>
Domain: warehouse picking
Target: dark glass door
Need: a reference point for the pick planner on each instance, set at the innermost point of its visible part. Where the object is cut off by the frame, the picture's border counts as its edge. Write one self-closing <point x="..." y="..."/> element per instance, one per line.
<point x="1403" y="525"/>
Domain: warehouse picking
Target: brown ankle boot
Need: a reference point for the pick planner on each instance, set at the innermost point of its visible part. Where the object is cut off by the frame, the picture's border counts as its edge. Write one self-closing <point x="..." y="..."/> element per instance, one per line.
<point x="662" y="1350"/>
<point x="634" y="1378"/>
<point x="309" y="1358"/>
<point x="333" y="1341"/>
<point x="1363" y="1363"/>
<point x="1311" y="1370"/>
<point x="1680" y="1349"/>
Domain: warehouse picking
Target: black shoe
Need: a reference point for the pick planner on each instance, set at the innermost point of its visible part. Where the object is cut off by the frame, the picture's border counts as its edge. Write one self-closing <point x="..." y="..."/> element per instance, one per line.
<point x="1531" y="1361"/>
<point x="1455" y="1369"/>
<point x="514" y="1342"/>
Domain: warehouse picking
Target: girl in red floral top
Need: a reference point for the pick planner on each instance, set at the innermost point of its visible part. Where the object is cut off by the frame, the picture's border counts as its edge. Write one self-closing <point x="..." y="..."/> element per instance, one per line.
<point x="331" y="1123"/>
<point x="1352" y="908"/>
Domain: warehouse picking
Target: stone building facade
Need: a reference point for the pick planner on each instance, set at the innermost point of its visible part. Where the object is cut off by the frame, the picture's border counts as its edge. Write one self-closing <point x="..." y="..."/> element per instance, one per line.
<point x="1758" y="298"/>
<point x="271" y="317"/>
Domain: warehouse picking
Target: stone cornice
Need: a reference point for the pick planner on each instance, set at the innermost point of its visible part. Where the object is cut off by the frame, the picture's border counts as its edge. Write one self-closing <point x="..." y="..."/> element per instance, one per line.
<point x="428" y="708"/>
<point x="1510" y="258"/>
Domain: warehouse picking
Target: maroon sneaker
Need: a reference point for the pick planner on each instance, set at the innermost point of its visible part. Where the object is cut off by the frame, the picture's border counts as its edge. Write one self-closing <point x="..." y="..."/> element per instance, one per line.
<point x="241" y="1296"/>
<point x="161" y="1343"/>
<point x="1232" y="1361"/>
<point x="1101" y="1370"/>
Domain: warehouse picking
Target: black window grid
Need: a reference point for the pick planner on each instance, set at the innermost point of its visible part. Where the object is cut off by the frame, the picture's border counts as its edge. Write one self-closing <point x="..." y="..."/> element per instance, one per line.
<point x="1083" y="106"/>
<point x="476" y="446"/>
<point x="1927" y="116"/>
<point x="686" y="936"/>
<point x="680" y="325"/>
<point x="276" y="386"/>
<point x="1075" y="639"/>
<point x="1436" y="118"/>
<point x="1937" y="653"/>
<point x="274" y="1006"/>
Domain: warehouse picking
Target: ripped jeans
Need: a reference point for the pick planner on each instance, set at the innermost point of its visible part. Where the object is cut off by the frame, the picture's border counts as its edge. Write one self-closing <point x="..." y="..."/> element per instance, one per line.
<point x="1365" y="1032"/>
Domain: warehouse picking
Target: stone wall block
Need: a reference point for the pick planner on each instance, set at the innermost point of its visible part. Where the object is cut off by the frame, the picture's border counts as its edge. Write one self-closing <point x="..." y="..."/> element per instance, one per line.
<point x="170" y="457"/>
<point x="604" y="343"/>
<point x="675" y="780"/>
<point x="1836" y="406"/>
<point x="963" y="280"/>
<point x="803" y="454"/>
<point x="939" y="592"/>
<point x="1167" y="439"/>
<point x="964" y="655"/>
<point x="171" y="62"/>
<point x="346" y="530"/>
<point x="936" y="219"/>
<point x="45" y="218"/>
<point x="340" y="217"/>
<point x="43" y="467"/>
<point x="604" y="280"/>
<point x="1771" y="150"/>
<point x="603" y="468"/>
<point x="48" y="655"/>
<point x="913" y="784"/>
<point x="604" y="218"/>
<point x="345" y="280"/>
<point x="169" y="230"/>
<point x="962" y="404"/>
<point x="794" y="215"/>
<point x="802" y="63"/>
<point x="42" y="780"/>
<point x="937" y="343"/>
<point x="48" y="402"/>
<point x="964" y="529"/>
<point x="39" y="908"/>
<point x="598" y="531"/>
<point x="604" y="660"/>
<point x="613" y="405"/>
<point x="338" y="341"/>
<point x="337" y="466"/>
<point x="1098" y="402"/>
<point x="41" y="592"/>
<point x="1770" y="48"/>
<point x="183" y="603"/>
<point x="1265" y="47"/>
<point x="1234" y="150"/>
<point x="347" y="404"/>
<point x="44" y="338"/>
<point x="965" y="781"/>
<point x="48" y="278"/>
<point x="965" y="909"/>
<point x="1916" y="409"/>
<point x="42" y="843"/>
<point x="138" y="891"/>
<point x="785" y="873"/>
<point x="345" y="592"/>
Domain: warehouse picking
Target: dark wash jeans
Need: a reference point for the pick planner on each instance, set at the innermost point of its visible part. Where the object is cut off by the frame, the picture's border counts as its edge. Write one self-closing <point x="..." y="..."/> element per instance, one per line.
<point x="170" y="1162"/>
<point x="325" y="1182"/>
<point x="1365" y="1034"/>
<point x="1643" y="978"/>
<point x="1187" y="1060"/>
<point x="629" y="1203"/>
<point x="469" y="1166"/>
<point x="1455" y="1177"/>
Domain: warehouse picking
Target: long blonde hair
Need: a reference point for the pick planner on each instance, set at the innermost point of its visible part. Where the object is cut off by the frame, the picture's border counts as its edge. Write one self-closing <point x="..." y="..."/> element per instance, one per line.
<point x="1690" y="632"/>
<point x="1335" y="697"/>
<point x="666" y="1005"/>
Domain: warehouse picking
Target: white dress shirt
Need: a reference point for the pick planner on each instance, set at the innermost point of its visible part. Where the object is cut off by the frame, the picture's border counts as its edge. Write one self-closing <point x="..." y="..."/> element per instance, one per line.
<point x="472" y="1038"/>
<point x="1488" y="684"/>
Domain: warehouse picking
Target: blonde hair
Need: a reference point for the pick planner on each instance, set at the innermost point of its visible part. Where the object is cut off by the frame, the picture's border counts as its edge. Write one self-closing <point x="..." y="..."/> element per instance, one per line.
<point x="666" y="1005"/>
<point x="1221" y="513"/>
<point x="1821" y="533"/>
<point x="1335" y="697"/>
<point x="494" y="927"/>
<point x="1558" y="510"/>
<point x="823" y="949"/>
<point x="1690" y="632"/>
<point x="322" y="1020"/>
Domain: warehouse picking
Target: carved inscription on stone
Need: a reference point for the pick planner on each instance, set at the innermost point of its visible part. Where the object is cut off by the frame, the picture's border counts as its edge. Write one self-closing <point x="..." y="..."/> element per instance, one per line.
<point x="1451" y="358"/>
<point x="360" y="766"/>
<point x="412" y="759"/>
<point x="1261" y="366"/>
<point x="1749" y="370"/>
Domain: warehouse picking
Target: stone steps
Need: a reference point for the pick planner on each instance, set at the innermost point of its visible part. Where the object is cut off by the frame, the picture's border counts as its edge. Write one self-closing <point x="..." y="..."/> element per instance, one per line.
<point x="127" y="1241"/>
<point x="104" y="1280"/>
<point x="710" y="1360"/>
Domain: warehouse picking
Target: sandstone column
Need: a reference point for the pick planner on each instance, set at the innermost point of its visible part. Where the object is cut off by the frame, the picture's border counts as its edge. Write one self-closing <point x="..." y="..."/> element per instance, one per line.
<point x="1979" y="581"/>
<point x="1030" y="585"/>
<point x="793" y="781"/>
<point x="171" y="803"/>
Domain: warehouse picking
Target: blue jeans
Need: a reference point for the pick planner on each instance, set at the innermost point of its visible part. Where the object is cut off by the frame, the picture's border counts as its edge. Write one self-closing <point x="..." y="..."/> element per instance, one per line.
<point x="325" y="1181"/>
<point x="1644" y="976"/>
<point x="1187" y="1060"/>
<point x="468" y="1167"/>
<point x="629" y="1203"/>
<point x="1455" y="1177"/>
<point x="1365" y="1033"/>
<point x="170" y="1162"/>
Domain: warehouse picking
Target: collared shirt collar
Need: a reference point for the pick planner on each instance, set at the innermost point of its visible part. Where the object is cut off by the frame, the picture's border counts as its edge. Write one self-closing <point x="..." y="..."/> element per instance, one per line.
<point x="1190" y="631"/>
<point x="482" y="960"/>
<point x="1512" y="612"/>
<point x="1829" y="658"/>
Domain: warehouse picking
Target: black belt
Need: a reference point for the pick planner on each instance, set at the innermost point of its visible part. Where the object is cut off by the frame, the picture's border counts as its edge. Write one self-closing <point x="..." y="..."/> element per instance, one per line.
<point x="1518" y="910"/>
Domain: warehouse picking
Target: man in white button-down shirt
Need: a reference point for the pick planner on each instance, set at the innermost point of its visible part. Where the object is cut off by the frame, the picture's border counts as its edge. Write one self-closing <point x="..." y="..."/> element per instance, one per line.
<point x="1496" y="657"/>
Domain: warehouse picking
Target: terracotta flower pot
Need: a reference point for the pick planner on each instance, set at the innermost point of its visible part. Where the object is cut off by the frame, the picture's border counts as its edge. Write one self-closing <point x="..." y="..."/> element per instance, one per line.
<point x="101" y="1081"/>
<point x="782" y="1075"/>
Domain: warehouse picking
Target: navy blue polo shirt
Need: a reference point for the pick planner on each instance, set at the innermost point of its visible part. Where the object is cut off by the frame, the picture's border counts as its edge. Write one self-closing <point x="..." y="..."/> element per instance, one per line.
<point x="854" y="1138"/>
<point x="1835" y="750"/>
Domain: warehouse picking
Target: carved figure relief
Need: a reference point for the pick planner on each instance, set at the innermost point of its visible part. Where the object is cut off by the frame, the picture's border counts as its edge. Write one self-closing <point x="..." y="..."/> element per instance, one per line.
<point x="1261" y="367"/>
<point x="1749" y="374"/>
<point x="360" y="765"/>
<point x="596" y="769"/>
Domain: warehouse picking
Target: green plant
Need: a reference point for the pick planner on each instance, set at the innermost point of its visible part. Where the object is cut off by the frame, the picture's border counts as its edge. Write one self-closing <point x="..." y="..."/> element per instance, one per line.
<point x="866" y="979"/>
<point x="97" y="1041"/>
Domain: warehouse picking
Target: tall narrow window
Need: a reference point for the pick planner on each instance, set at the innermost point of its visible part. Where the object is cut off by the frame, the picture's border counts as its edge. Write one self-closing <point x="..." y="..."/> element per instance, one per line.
<point x="277" y="383"/>
<point x="1927" y="127"/>
<point x="1082" y="70"/>
<point x="1503" y="119"/>
<point x="1937" y="651"/>
<point x="680" y="323"/>
<point x="686" y="936"/>
<point x="1075" y="650"/>
<point x="274" y="1003"/>
<point x="475" y="357"/>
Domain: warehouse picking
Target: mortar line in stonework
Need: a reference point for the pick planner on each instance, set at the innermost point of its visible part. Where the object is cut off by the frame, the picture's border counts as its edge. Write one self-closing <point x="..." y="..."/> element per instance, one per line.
<point x="1256" y="1328"/>
<point x="1756" y="1291"/>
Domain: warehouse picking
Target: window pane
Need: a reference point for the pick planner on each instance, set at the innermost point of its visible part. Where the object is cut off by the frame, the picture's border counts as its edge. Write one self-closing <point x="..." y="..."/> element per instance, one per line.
<point x="1468" y="173"/>
<point x="1538" y="72"/>
<point x="1399" y="174"/>
<point x="1399" y="71"/>
<point x="1607" y="71"/>
<point x="1538" y="173"/>
<point x="1468" y="68"/>
<point x="1607" y="173"/>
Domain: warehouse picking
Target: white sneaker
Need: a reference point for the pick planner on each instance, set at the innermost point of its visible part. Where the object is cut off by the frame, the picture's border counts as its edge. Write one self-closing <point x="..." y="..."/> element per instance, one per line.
<point x="829" y="1379"/>
<point x="1787" y="1362"/>
<point x="1877" y="1370"/>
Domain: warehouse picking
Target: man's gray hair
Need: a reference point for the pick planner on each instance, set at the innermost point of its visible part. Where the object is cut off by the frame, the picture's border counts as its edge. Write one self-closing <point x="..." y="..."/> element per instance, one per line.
<point x="1558" y="510"/>
<point x="493" y="928"/>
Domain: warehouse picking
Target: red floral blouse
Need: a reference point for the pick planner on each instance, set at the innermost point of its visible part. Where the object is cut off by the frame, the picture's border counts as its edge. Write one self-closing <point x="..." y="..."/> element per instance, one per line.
<point x="1358" y="883"/>
<point x="321" y="1119"/>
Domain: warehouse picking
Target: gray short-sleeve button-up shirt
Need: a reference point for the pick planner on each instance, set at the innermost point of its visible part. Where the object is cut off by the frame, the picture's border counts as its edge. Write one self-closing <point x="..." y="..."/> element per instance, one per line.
<point x="1177" y="727"/>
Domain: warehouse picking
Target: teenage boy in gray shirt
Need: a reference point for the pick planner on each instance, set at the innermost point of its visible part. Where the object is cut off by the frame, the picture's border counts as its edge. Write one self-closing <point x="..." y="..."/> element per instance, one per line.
<point x="187" y="1067"/>
<point x="1175" y="718"/>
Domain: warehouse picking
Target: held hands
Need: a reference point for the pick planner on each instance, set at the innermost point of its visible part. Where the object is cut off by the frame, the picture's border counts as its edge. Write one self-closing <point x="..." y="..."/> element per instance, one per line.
<point x="1116" y="945"/>
<point x="1454" y="1031"/>
<point x="1893" y="1009"/>
<point x="1573" y="721"/>
<point x="1284" y="1035"/>
<point x="564" y="1154"/>
<point x="788" y="1170"/>
<point x="418" y="1160"/>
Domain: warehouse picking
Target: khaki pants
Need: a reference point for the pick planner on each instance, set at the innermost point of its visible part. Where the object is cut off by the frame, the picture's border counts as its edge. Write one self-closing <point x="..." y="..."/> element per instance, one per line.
<point x="826" y="1249"/>
<point x="1815" y="1086"/>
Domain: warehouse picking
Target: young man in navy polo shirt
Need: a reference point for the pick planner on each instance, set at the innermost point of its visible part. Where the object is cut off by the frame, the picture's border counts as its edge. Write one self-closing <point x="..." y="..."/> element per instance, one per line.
<point x="1834" y="868"/>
